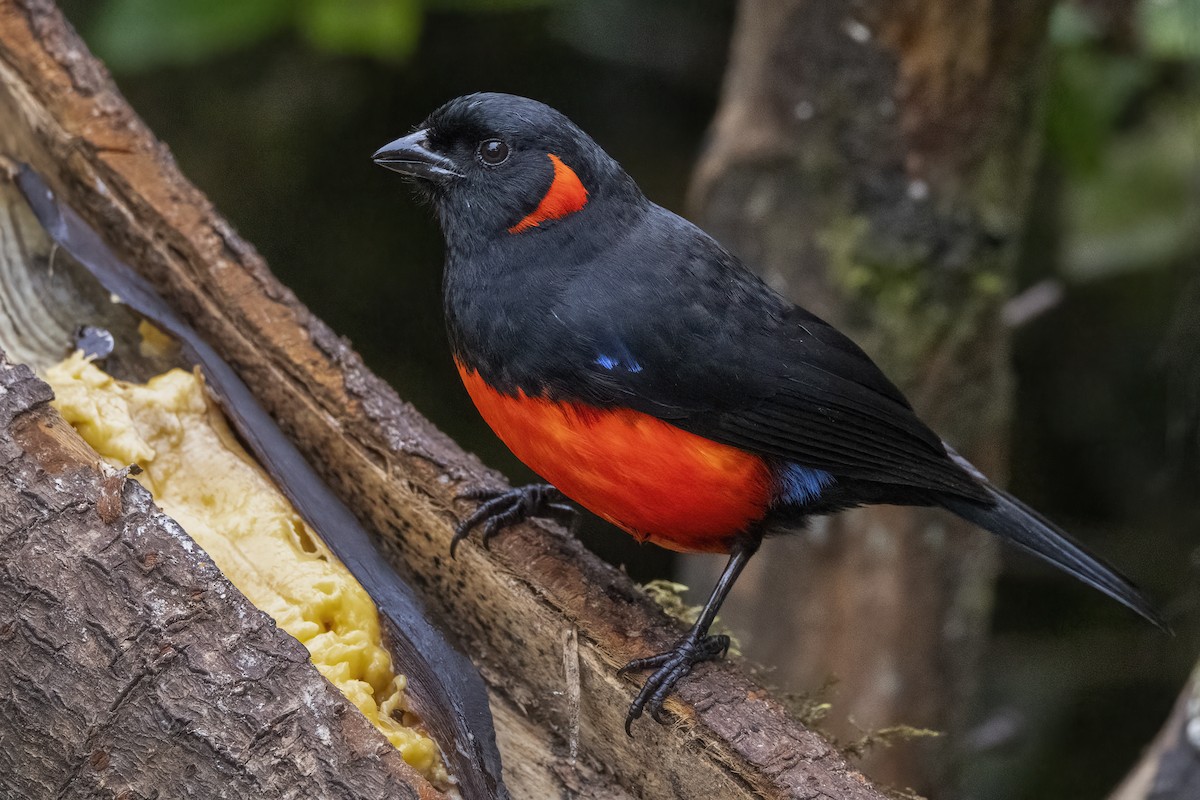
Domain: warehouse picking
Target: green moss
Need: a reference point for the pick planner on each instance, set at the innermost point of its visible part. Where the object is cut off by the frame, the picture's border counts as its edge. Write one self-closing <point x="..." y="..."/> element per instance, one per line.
<point x="886" y="297"/>
<point x="903" y="305"/>
<point x="901" y="794"/>
<point x="841" y="241"/>
<point x="883" y="737"/>
<point x="668" y="595"/>
<point x="811" y="708"/>
<point x="990" y="283"/>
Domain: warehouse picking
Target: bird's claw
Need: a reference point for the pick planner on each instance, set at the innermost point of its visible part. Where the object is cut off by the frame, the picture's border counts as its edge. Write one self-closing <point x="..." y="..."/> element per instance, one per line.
<point x="669" y="668"/>
<point x="500" y="508"/>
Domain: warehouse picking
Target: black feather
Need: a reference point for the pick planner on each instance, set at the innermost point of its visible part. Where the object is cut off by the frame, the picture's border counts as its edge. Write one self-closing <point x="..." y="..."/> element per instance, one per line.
<point x="1015" y="522"/>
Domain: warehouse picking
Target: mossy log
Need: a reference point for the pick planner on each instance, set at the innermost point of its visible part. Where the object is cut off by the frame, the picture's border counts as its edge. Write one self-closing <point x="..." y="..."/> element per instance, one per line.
<point x="546" y="622"/>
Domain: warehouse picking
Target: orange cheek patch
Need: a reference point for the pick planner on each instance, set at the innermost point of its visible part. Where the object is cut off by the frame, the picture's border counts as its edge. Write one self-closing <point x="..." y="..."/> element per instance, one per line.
<point x="566" y="195"/>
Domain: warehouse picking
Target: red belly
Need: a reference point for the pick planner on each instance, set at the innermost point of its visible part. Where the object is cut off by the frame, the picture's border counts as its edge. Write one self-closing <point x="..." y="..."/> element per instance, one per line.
<point x="660" y="483"/>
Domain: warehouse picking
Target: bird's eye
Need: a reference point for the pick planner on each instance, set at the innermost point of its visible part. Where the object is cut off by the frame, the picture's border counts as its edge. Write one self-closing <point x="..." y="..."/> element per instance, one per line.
<point x="493" y="152"/>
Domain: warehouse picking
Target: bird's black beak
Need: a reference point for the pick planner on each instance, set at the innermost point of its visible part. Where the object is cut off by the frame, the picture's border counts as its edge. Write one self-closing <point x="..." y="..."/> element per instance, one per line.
<point x="411" y="156"/>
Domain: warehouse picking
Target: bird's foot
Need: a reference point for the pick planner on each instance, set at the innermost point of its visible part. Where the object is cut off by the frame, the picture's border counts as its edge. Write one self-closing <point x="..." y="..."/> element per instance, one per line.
<point x="504" y="507"/>
<point x="669" y="668"/>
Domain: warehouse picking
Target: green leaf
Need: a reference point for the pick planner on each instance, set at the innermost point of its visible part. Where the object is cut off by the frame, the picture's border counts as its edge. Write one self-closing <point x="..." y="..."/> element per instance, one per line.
<point x="486" y="5"/>
<point x="1071" y="26"/>
<point x="1141" y="210"/>
<point x="134" y="35"/>
<point x="1170" y="29"/>
<point x="1088" y="92"/>
<point x="383" y="29"/>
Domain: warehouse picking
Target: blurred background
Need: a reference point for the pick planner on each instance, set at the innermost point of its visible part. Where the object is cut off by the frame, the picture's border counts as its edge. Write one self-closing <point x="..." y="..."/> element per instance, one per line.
<point x="273" y="108"/>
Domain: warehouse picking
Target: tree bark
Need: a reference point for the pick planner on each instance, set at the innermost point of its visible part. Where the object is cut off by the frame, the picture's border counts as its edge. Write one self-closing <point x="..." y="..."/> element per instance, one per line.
<point x="517" y="608"/>
<point x="873" y="159"/>
<point x="1170" y="768"/>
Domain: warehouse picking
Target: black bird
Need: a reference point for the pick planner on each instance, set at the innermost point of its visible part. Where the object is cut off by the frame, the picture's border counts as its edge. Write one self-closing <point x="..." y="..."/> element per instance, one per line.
<point x="646" y="374"/>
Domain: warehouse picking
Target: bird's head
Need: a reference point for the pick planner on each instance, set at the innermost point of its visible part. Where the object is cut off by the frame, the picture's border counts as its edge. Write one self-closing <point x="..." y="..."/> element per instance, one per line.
<point x="498" y="165"/>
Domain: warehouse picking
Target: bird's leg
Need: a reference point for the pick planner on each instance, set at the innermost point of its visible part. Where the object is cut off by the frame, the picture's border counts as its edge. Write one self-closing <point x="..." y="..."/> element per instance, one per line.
<point x="692" y="649"/>
<point x="504" y="507"/>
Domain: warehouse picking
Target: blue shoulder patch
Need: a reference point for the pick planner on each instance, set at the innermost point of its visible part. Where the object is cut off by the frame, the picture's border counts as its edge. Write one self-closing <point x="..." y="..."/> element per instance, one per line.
<point x="802" y="485"/>
<point x="618" y="357"/>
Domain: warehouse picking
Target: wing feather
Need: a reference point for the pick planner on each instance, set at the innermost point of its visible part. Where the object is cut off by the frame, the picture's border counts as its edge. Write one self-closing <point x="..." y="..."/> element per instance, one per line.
<point x="704" y="344"/>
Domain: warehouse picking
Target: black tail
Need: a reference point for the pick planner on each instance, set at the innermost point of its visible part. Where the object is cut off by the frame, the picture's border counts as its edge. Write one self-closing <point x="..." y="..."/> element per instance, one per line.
<point x="1012" y="520"/>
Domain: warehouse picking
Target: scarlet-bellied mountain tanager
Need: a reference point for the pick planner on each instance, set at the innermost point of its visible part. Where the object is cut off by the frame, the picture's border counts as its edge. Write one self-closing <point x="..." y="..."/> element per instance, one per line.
<point x="645" y="373"/>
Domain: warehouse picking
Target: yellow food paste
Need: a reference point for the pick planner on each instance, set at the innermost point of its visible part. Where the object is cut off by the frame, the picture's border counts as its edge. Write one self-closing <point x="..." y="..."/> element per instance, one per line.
<point x="201" y="476"/>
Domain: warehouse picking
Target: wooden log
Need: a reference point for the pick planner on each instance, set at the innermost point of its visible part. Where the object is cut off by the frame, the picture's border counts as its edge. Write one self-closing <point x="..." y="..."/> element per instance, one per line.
<point x="131" y="667"/>
<point x="517" y="608"/>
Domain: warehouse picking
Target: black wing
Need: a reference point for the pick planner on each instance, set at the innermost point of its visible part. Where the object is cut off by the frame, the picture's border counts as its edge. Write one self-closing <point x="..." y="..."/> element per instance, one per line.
<point x="699" y="341"/>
